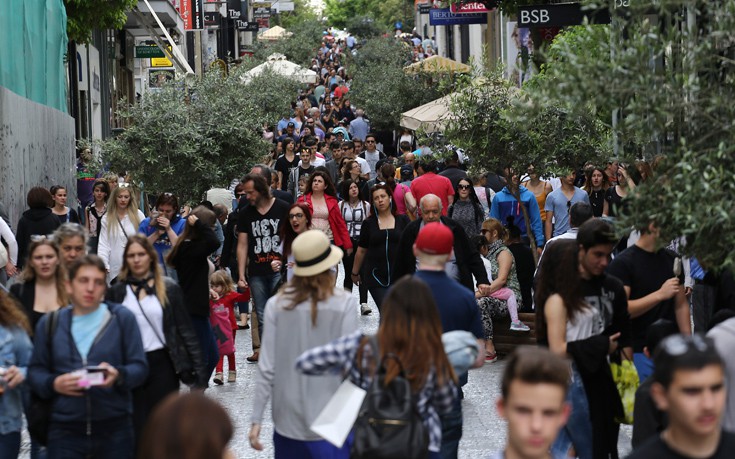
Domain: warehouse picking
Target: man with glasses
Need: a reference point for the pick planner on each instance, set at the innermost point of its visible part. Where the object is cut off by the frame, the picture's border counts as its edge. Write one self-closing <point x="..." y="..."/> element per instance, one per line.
<point x="372" y="155"/>
<point x="558" y="203"/>
<point x="689" y="385"/>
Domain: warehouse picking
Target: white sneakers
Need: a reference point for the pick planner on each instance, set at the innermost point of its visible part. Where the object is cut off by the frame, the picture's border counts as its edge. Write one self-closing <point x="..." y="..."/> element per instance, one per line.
<point x="365" y="309"/>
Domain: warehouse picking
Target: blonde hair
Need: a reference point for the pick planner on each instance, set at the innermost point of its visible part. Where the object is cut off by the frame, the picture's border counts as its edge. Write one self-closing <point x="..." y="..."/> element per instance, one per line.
<point x="223" y="279"/>
<point x="113" y="221"/>
<point x="319" y="287"/>
<point x="158" y="280"/>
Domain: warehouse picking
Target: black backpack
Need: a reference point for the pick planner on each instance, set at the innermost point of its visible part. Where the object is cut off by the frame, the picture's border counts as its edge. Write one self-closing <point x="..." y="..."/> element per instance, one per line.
<point x="388" y="425"/>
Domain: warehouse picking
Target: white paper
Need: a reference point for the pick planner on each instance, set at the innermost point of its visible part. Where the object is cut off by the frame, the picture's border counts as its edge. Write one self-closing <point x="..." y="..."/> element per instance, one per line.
<point x="338" y="416"/>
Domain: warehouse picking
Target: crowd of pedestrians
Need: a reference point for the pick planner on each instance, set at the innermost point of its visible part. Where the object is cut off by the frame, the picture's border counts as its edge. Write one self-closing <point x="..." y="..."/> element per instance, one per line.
<point x="110" y="309"/>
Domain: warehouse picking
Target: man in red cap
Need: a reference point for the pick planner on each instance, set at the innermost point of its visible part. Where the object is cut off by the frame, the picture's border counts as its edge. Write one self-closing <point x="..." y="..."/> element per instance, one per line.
<point x="457" y="309"/>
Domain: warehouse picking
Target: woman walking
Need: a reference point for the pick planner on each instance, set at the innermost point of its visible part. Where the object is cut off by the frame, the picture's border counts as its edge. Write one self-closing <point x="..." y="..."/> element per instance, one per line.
<point x="170" y="343"/>
<point x="378" y="246"/>
<point x="190" y="259"/>
<point x="466" y="208"/>
<point x="38" y="220"/>
<point x="308" y="312"/>
<point x="596" y="187"/>
<point x="411" y="332"/>
<point x="62" y="212"/>
<point x="354" y="211"/>
<point x="95" y="212"/>
<point x="121" y="221"/>
<point x="321" y="197"/>
<point x="71" y="240"/>
<point x="15" y="354"/>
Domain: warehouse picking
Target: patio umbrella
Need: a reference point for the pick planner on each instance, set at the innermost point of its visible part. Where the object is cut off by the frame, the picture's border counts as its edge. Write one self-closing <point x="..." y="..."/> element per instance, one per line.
<point x="277" y="63"/>
<point x="274" y="33"/>
<point x="437" y="64"/>
<point x="429" y="117"/>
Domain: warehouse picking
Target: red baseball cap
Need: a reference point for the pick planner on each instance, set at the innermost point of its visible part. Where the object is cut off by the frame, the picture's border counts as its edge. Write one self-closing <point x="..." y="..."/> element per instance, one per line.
<point x="435" y="239"/>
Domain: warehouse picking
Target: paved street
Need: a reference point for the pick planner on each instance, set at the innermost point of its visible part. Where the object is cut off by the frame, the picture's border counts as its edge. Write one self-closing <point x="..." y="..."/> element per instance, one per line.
<point x="484" y="431"/>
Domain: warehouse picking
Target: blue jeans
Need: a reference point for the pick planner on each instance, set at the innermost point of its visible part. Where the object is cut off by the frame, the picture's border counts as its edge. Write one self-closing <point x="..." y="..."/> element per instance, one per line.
<point x="10" y="444"/>
<point x="287" y="448"/>
<point x="207" y="341"/>
<point x="261" y="289"/>
<point x="451" y="431"/>
<point x="578" y="431"/>
<point x="643" y="365"/>
<point x="114" y="441"/>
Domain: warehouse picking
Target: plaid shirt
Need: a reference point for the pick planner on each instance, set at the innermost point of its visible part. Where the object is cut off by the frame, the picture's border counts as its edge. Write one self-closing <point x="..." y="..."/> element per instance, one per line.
<point x="338" y="356"/>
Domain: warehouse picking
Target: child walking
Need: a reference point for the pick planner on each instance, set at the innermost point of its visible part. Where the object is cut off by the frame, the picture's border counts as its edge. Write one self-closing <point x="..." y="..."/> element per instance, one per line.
<point x="224" y="324"/>
<point x="502" y="293"/>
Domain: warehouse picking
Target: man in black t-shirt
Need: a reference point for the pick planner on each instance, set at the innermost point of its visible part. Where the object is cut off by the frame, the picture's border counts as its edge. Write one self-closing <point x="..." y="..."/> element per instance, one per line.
<point x="259" y="242"/>
<point x="689" y="385"/>
<point x="653" y="291"/>
<point x="285" y="163"/>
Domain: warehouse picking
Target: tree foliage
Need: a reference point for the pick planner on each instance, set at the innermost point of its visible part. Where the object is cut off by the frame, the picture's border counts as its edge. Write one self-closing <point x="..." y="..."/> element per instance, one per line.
<point x="667" y="81"/>
<point x="83" y="16"/>
<point x="302" y="12"/>
<point x="299" y="48"/>
<point x="382" y="88"/>
<point x="185" y="140"/>
<point x="385" y="13"/>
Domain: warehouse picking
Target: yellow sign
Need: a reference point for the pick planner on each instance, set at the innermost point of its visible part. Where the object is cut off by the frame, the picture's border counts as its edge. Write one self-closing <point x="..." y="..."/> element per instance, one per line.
<point x="161" y="62"/>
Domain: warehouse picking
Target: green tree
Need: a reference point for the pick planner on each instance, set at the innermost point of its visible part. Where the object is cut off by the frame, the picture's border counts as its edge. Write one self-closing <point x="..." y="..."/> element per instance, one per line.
<point x="83" y="16"/>
<point x="185" y="140"/>
<point x="299" y="48"/>
<point x="302" y="12"/>
<point x="668" y="82"/>
<point x="382" y="88"/>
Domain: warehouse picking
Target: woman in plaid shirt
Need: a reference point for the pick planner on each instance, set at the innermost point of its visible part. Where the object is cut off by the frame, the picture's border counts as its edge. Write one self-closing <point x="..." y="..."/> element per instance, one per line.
<point x="409" y="328"/>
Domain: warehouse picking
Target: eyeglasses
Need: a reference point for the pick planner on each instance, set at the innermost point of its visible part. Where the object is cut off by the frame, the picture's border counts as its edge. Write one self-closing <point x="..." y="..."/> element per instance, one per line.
<point x="679" y="344"/>
<point x="463" y="187"/>
<point x="240" y="195"/>
<point x="292" y="216"/>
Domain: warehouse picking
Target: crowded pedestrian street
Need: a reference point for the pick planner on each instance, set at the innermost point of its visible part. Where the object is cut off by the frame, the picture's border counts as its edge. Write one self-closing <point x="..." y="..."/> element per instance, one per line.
<point x="366" y="229"/>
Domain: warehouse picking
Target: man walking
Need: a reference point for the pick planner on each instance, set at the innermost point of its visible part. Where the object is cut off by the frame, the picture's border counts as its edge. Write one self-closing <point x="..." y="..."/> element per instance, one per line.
<point x="87" y="360"/>
<point x="559" y="203"/>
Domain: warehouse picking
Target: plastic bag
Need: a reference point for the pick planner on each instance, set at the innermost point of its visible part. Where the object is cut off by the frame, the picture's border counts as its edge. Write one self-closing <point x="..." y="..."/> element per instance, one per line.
<point x="626" y="379"/>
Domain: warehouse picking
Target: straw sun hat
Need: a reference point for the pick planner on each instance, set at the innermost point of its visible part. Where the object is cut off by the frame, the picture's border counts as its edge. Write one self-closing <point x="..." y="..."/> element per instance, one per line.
<point x="313" y="254"/>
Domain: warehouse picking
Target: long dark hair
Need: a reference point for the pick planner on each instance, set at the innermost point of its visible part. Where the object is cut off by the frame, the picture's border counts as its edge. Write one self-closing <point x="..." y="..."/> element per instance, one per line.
<point x="287" y="233"/>
<point x="191" y="232"/>
<point x="479" y="212"/>
<point x="329" y="185"/>
<point x="411" y="329"/>
<point x="558" y="274"/>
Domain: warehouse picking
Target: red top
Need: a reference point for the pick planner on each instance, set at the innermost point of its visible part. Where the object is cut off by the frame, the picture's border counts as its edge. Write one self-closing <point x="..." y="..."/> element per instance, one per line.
<point x="431" y="183"/>
<point x="229" y="301"/>
<point x="336" y="221"/>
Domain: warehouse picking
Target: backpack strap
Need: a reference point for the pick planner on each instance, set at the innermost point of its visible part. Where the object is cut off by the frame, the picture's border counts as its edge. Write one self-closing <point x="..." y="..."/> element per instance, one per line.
<point x="51" y="325"/>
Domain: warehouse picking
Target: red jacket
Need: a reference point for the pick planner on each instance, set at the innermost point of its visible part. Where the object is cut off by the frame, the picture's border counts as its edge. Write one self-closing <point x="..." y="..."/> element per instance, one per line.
<point x="336" y="221"/>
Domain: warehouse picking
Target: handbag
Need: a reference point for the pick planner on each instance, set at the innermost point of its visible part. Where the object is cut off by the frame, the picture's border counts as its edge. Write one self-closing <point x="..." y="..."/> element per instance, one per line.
<point x="626" y="379"/>
<point x="389" y="425"/>
<point x="39" y="411"/>
<point x="336" y="419"/>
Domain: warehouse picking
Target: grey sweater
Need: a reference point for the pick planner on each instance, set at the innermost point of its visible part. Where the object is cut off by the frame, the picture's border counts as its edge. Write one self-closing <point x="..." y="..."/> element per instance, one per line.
<point x="298" y="399"/>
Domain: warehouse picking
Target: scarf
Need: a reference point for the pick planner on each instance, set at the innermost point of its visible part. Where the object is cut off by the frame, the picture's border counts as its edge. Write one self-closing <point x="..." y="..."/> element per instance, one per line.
<point x="141" y="284"/>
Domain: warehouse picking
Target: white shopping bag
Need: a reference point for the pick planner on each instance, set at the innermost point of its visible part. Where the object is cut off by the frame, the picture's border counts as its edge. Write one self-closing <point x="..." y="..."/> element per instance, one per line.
<point x="338" y="416"/>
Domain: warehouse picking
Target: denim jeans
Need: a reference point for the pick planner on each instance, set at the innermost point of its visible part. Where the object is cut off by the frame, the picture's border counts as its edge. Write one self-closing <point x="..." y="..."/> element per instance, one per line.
<point x="10" y="444"/>
<point x="578" y="431"/>
<point x="451" y="431"/>
<point x="261" y="289"/>
<point x="287" y="448"/>
<point x="114" y="441"/>
<point x="643" y="365"/>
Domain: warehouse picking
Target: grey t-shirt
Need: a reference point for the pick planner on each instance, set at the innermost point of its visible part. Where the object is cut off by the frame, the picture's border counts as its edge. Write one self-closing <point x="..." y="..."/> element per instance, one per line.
<point x="559" y="204"/>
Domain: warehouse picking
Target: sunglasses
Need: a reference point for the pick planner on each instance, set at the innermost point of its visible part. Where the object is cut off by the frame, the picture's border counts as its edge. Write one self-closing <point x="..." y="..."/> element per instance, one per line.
<point x="679" y="344"/>
<point x="369" y="141"/>
<point x="41" y="237"/>
<point x="463" y="187"/>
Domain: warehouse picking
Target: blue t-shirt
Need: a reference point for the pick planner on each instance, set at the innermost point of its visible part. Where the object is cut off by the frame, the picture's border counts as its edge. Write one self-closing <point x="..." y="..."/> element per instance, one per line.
<point x="84" y="329"/>
<point x="163" y="244"/>
<point x="559" y="204"/>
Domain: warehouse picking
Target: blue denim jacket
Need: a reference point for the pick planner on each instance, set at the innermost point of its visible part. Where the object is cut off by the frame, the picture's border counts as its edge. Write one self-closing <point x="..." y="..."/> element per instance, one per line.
<point x="15" y="349"/>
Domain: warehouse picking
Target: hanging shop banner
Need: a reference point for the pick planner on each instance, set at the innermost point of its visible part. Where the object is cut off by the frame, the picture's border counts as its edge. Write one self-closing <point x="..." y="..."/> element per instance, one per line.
<point x="445" y="17"/>
<point x="559" y="15"/>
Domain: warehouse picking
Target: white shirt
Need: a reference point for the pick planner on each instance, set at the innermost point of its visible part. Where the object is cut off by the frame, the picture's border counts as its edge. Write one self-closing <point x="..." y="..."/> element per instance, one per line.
<point x="151" y="334"/>
<point x="7" y="234"/>
<point x="113" y="241"/>
<point x="364" y="166"/>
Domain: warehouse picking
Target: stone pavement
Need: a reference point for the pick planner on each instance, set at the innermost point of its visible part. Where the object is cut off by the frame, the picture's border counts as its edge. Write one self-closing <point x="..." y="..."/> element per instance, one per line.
<point x="484" y="431"/>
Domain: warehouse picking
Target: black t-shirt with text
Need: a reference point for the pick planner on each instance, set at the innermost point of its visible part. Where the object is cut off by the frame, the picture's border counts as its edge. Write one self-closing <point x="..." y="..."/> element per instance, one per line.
<point x="264" y="236"/>
<point x="284" y="166"/>
<point x="656" y="448"/>
<point x="644" y="272"/>
<point x="606" y="294"/>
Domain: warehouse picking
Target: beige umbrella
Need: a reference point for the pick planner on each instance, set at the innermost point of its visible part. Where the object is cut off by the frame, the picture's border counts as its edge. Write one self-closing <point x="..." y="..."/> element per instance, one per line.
<point x="430" y="117"/>
<point x="274" y="33"/>
<point x="437" y="64"/>
<point x="277" y="63"/>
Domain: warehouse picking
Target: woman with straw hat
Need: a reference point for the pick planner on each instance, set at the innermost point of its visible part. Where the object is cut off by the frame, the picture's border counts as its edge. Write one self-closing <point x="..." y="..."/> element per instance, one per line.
<point x="307" y="312"/>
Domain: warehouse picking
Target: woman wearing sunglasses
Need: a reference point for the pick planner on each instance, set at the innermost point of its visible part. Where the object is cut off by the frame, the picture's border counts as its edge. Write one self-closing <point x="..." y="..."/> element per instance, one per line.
<point x="466" y="208"/>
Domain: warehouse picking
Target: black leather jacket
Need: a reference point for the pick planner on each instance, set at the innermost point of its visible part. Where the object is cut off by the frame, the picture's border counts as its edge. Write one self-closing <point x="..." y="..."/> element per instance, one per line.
<point x="182" y="342"/>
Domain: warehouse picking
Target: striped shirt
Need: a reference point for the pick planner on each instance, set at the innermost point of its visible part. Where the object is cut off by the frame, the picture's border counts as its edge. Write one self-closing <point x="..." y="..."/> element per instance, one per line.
<point x="338" y="356"/>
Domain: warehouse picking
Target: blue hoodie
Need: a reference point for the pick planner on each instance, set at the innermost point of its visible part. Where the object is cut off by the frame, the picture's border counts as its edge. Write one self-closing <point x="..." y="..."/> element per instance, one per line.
<point x="117" y="343"/>
<point x="505" y="205"/>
